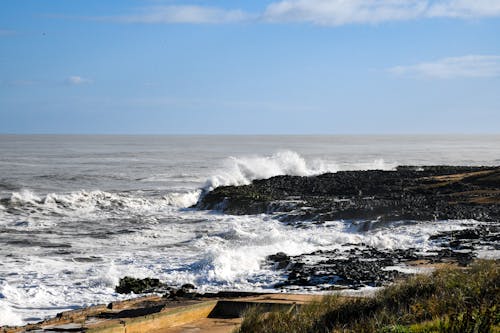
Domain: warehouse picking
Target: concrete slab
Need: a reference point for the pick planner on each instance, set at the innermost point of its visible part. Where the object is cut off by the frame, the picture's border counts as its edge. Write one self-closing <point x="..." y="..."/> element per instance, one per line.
<point x="206" y="325"/>
<point x="157" y="315"/>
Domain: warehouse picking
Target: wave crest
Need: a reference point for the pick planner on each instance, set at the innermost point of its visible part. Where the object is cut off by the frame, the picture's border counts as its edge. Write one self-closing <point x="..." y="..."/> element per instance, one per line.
<point x="235" y="171"/>
<point x="79" y="203"/>
<point x="242" y="170"/>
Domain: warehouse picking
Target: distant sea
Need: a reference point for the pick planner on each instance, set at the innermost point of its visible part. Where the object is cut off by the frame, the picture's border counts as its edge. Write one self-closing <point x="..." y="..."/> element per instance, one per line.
<point x="79" y="212"/>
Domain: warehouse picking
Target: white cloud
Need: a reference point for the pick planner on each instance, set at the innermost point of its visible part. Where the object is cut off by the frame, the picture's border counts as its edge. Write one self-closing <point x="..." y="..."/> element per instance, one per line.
<point x="465" y="8"/>
<point x="184" y="14"/>
<point x="470" y="66"/>
<point x="340" y="12"/>
<point x="76" y="80"/>
<point x="321" y="12"/>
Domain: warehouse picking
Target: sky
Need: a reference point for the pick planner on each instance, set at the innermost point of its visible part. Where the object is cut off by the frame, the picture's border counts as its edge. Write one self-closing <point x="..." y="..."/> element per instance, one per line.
<point x="250" y="67"/>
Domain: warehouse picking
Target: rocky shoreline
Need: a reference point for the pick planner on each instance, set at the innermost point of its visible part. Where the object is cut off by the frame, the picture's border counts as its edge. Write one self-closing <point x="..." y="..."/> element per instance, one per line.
<point x="407" y="193"/>
<point x="370" y="200"/>
<point x="355" y="267"/>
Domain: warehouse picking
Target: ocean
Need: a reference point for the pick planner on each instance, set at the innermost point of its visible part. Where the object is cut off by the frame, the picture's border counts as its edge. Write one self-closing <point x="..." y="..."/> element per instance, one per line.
<point x="77" y="213"/>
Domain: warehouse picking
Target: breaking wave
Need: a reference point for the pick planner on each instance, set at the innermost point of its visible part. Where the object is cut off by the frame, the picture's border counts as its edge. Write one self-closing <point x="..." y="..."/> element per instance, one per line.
<point x="242" y="170"/>
<point x="79" y="204"/>
<point x="235" y="171"/>
<point x="183" y="200"/>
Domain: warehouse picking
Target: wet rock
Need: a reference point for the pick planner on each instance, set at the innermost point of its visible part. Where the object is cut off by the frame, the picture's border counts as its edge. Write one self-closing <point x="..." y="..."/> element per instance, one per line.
<point x="345" y="273"/>
<point x="485" y="235"/>
<point x="449" y="255"/>
<point x="178" y="293"/>
<point x="459" y="234"/>
<point x="408" y="193"/>
<point x="188" y="286"/>
<point x="187" y="290"/>
<point x="129" y="285"/>
<point x="280" y="260"/>
<point x="361" y="266"/>
<point x="370" y="200"/>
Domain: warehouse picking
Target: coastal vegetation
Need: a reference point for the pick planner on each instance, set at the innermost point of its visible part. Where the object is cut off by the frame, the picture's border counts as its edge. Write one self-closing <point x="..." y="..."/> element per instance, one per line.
<point x="451" y="300"/>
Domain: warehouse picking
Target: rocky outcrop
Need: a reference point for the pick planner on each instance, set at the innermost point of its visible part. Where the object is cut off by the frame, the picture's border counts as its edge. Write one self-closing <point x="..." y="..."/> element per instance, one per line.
<point x="407" y="193"/>
<point x="370" y="200"/>
<point x="361" y="267"/>
<point x="358" y="265"/>
<point x="128" y="285"/>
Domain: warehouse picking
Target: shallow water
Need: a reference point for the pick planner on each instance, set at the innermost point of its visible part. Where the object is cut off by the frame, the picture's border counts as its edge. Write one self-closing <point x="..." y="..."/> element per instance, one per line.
<point x="79" y="212"/>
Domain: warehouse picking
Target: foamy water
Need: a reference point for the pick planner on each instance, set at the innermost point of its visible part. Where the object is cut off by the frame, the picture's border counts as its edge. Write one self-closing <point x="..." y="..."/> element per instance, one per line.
<point x="78" y="213"/>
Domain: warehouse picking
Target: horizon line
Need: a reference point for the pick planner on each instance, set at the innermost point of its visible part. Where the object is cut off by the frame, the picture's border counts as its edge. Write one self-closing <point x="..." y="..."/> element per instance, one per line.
<point x="253" y="134"/>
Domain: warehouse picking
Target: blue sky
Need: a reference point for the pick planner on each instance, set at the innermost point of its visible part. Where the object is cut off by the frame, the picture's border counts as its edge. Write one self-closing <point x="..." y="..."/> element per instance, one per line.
<point x="250" y="67"/>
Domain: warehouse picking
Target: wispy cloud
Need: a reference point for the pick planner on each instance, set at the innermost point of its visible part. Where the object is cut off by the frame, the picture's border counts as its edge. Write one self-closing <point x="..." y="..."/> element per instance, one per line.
<point x="182" y="14"/>
<point x="464" y="8"/>
<point x="76" y="80"/>
<point x="470" y="66"/>
<point x="320" y="12"/>
<point x="340" y="12"/>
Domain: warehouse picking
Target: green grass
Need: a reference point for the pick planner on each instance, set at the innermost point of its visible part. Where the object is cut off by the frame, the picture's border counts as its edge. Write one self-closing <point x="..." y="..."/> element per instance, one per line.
<point x="451" y="300"/>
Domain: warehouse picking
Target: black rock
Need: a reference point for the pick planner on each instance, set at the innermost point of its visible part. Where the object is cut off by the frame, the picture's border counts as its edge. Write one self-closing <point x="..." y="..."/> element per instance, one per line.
<point x="358" y="267"/>
<point x="370" y="200"/>
<point x="408" y="193"/>
<point x="280" y="259"/>
<point x="188" y="286"/>
<point x="129" y="285"/>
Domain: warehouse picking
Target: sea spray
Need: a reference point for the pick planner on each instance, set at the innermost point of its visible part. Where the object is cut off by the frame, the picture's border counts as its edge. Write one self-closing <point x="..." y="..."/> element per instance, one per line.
<point x="89" y="217"/>
<point x="236" y="171"/>
<point x="242" y="170"/>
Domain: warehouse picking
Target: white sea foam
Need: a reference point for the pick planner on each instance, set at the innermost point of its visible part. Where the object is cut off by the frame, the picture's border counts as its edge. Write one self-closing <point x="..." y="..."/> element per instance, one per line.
<point x="236" y="171"/>
<point x="68" y="248"/>
<point x="242" y="170"/>
<point x="488" y="254"/>
<point x="231" y="255"/>
<point x="8" y="316"/>
<point x="182" y="199"/>
<point x="213" y="251"/>
<point x="24" y="196"/>
<point x="88" y="204"/>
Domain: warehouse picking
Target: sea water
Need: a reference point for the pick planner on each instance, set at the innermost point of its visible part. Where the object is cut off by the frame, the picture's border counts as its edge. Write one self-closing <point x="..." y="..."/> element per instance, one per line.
<point x="79" y="212"/>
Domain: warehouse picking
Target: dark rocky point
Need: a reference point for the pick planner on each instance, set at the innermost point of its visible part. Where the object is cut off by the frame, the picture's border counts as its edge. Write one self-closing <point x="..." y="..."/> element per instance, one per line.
<point x="370" y="200"/>
<point x="280" y="259"/>
<point x="186" y="289"/>
<point x="408" y="193"/>
<point x="148" y="285"/>
<point x="129" y="285"/>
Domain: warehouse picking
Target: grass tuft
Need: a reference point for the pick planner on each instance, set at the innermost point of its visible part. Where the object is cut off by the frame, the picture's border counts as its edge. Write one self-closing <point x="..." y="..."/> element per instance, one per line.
<point x="450" y="300"/>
